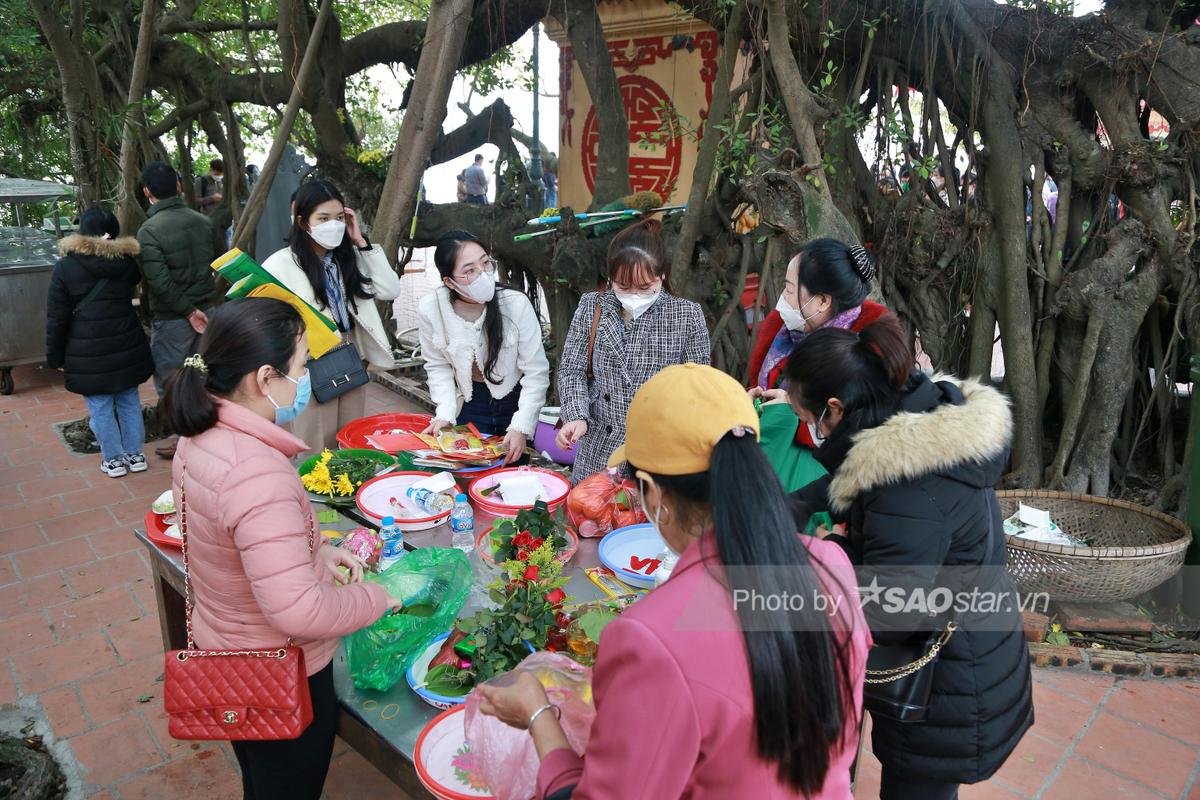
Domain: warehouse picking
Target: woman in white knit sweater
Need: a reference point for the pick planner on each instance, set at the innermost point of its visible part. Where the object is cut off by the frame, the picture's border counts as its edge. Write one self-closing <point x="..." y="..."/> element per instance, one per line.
<point x="482" y="345"/>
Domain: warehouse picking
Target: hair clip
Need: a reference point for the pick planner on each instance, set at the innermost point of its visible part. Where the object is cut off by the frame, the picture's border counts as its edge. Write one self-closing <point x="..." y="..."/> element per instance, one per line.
<point x="739" y="431"/>
<point x="196" y="362"/>
<point x="863" y="263"/>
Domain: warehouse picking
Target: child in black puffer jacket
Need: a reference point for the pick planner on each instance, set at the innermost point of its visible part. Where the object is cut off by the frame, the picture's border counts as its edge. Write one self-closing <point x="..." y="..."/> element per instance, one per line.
<point x="94" y="336"/>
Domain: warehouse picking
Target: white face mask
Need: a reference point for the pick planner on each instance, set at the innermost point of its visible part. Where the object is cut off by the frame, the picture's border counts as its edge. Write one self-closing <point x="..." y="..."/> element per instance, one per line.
<point x="328" y="234"/>
<point x="481" y="290"/>
<point x="636" y="304"/>
<point x="655" y="519"/>
<point x="793" y="318"/>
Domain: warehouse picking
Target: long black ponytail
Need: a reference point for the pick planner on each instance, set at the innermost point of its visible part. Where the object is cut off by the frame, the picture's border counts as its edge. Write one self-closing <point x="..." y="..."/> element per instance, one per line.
<point x="799" y="658"/>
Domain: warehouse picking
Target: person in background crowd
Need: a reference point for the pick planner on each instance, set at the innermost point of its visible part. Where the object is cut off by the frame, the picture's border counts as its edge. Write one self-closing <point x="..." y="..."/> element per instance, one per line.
<point x="912" y="464"/>
<point x="330" y="264"/>
<point x="475" y="182"/>
<point x="482" y="345"/>
<point x="94" y="336"/>
<point x="618" y="340"/>
<point x="826" y="285"/>
<point x="460" y="190"/>
<point x="177" y="253"/>
<point x="697" y="696"/>
<point x="260" y="573"/>
<point x="550" y="182"/>
<point x="210" y="188"/>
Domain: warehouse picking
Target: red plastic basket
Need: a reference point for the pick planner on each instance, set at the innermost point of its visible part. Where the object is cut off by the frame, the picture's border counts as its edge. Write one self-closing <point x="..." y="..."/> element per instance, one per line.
<point x="356" y="432"/>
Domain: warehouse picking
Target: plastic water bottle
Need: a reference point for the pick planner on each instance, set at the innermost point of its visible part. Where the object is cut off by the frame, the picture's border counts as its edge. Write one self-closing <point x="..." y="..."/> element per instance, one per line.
<point x="393" y="543"/>
<point x="667" y="559"/>
<point x="462" y="524"/>
<point x="432" y="502"/>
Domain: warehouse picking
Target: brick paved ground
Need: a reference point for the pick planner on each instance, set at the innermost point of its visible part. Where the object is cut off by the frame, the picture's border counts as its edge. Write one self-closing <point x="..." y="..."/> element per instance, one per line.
<point x="79" y="634"/>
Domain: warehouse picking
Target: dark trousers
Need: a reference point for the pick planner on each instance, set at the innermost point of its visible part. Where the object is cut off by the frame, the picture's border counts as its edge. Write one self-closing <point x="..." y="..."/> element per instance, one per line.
<point x="906" y="786"/>
<point x="293" y="769"/>
<point x="477" y="199"/>
<point x="491" y="416"/>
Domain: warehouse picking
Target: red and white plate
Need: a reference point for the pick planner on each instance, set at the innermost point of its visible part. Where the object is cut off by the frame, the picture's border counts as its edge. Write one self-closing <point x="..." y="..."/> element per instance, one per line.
<point x="159" y="531"/>
<point x="445" y="764"/>
<point x="374" y="499"/>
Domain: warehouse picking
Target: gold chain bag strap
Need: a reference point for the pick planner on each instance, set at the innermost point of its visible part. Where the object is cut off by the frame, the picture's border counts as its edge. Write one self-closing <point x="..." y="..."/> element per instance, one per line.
<point x="899" y="680"/>
<point x="890" y="674"/>
<point x="233" y="694"/>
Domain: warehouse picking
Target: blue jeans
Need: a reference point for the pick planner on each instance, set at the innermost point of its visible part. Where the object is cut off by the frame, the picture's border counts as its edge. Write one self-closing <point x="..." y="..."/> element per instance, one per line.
<point x="116" y="419"/>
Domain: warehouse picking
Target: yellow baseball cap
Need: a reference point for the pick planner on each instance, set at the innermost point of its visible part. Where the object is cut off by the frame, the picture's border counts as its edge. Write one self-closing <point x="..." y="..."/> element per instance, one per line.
<point x="677" y="417"/>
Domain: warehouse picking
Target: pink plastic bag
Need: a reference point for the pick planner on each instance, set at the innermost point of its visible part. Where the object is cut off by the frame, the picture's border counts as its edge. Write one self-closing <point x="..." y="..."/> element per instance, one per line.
<point x="505" y="757"/>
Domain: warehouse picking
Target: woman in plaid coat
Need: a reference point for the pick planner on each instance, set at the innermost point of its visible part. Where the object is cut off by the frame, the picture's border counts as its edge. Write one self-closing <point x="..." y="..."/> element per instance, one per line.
<point x="636" y="329"/>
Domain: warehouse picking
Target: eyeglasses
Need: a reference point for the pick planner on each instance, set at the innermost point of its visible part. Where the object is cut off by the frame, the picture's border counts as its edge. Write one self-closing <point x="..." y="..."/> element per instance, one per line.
<point x="818" y="437"/>
<point x="473" y="271"/>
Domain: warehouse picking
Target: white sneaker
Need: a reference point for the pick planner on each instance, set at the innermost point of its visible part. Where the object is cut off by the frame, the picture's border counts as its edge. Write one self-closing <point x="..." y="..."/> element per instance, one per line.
<point x="136" y="462"/>
<point x="114" y="468"/>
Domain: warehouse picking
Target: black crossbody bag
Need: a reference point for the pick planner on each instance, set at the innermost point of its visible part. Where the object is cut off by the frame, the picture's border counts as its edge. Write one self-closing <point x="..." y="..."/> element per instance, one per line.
<point x="337" y="372"/>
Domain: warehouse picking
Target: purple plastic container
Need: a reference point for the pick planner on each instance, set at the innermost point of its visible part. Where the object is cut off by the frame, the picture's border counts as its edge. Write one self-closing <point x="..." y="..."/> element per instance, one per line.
<point x="543" y="438"/>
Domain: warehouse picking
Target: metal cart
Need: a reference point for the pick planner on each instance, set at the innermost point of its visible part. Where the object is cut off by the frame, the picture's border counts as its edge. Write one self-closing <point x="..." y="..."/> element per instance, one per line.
<point x="27" y="256"/>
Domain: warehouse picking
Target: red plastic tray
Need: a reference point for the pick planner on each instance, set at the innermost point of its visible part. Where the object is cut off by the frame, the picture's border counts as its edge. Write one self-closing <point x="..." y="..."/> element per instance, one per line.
<point x="356" y="432"/>
<point x="156" y="531"/>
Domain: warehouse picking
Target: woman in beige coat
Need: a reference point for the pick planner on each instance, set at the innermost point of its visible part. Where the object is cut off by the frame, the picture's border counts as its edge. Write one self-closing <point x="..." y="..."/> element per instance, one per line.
<point x="330" y="264"/>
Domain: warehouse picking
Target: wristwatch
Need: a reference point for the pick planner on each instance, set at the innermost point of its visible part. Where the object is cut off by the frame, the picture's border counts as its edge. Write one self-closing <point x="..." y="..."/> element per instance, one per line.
<point x="367" y="246"/>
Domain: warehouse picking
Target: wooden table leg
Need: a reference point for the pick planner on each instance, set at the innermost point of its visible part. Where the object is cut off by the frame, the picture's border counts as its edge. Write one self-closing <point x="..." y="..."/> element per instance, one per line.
<point x="172" y="613"/>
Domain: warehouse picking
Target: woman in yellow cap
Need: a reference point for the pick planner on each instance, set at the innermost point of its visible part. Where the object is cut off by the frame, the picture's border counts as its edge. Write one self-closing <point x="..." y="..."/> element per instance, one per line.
<point x="698" y="696"/>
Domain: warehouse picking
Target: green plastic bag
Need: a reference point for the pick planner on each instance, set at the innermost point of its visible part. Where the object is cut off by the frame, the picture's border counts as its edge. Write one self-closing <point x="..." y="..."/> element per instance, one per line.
<point x="433" y="582"/>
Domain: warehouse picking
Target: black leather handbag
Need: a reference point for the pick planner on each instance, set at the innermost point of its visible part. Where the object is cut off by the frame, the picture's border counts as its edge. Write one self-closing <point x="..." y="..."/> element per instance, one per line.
<point x="900" y="677"/>
<point x="337" y="372"/>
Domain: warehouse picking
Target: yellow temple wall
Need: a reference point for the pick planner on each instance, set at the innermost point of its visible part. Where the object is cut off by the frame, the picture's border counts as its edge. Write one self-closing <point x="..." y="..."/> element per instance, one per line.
<point x="666" y="65"/>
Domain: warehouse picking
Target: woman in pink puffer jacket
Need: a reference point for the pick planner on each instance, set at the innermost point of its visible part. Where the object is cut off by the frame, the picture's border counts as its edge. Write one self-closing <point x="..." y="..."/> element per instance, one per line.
<point x="255" y="582"/>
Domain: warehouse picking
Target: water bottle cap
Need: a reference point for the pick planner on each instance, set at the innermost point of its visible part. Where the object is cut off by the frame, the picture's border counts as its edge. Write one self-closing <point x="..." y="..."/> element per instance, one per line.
<point x="460" y="498"/>
<point x="389" y="521"/>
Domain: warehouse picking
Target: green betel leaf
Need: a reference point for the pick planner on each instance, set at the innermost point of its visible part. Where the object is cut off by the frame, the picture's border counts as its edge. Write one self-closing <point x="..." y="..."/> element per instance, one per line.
<point x="595" y="620"/>
<point x="449" y="681"/>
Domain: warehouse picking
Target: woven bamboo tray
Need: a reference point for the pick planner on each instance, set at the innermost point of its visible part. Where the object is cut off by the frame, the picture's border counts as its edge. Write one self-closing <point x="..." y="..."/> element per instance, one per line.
<point x="1133" y="548"/>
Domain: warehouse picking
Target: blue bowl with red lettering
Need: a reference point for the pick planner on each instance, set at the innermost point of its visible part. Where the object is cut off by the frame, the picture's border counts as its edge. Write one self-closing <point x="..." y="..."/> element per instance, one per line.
<point x="420" y="668"/>
<point x="633" y="554"/>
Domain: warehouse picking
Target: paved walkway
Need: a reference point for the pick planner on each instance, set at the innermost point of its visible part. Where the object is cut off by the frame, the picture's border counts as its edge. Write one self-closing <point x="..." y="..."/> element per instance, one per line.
<point x="79" y="635"/>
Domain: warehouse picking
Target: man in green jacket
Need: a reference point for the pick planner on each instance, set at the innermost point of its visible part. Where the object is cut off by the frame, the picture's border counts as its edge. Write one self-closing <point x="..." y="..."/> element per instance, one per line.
<point x="177" y="251"/>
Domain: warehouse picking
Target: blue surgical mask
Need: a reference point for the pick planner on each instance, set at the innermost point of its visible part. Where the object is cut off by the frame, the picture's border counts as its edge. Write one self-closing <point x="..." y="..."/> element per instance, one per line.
<point x="285" y="414"/>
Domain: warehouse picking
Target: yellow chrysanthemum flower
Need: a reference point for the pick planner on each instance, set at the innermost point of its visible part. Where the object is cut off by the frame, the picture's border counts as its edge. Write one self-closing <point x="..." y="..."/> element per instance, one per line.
<point x="343" y="485"/>
<point x="318" y="480"/>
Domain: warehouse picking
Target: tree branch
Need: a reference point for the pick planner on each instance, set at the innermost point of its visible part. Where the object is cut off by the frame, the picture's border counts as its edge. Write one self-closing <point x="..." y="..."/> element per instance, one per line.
<point x="175" y="25"/>
<point x="257" y="202"/>
<point x="582" y="23"/>
<point x="706" y="158"/>
<point x="135" y="117"/>
<point x="805" y="113"/>
<point x="422" y="123"/>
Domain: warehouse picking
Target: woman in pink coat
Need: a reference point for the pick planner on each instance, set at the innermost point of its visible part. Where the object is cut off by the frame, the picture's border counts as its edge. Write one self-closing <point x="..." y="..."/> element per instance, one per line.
<point x="742" y="675"/>
<point x="255" y="581"/>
